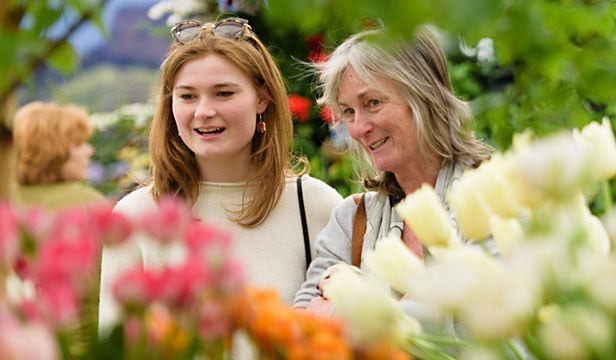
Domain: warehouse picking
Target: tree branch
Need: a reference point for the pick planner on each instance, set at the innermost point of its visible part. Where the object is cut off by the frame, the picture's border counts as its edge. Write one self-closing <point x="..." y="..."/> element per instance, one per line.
<point x="53" y="46"/>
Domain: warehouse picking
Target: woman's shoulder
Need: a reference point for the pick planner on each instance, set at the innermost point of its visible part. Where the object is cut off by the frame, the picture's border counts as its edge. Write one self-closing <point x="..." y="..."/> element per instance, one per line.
<point x="136" y="201"/>
<point x="312" y="185"/>
<point x="58" y="196"/>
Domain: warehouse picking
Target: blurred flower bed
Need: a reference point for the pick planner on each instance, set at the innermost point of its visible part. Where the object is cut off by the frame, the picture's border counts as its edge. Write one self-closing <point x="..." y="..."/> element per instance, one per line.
<point x="548" y="294"/>
<point x="188" y="310"/>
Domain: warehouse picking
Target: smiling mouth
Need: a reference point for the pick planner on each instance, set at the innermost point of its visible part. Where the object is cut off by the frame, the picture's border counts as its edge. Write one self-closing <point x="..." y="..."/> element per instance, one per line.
<point x="378" y="144"/>
<point x="210" y="131"/>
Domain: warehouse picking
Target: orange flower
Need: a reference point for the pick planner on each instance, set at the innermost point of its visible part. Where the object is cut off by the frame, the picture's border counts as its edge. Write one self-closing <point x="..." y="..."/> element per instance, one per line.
<point x="281" y="332"/>
<point x="163" y="331"/>
<point x="382" y="351"/>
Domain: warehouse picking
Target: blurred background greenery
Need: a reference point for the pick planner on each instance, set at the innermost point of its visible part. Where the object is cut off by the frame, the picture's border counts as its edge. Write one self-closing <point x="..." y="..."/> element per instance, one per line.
<point x="523" y="64"/>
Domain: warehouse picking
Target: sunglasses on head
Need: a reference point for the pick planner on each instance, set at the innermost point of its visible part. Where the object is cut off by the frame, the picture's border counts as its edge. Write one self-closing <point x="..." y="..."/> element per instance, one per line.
<point x="230" y="28"/>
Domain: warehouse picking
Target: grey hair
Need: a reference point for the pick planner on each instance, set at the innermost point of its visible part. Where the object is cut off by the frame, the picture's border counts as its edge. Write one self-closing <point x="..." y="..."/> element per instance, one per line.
<point x="444" y="122"/>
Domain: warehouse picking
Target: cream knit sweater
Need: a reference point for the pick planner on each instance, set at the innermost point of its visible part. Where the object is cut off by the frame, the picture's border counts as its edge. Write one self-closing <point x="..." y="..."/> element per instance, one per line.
<point x="272" y="254"/>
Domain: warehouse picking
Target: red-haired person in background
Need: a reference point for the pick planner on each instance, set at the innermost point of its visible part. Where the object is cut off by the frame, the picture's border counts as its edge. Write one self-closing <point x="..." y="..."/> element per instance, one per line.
<point x="53" y="156"/>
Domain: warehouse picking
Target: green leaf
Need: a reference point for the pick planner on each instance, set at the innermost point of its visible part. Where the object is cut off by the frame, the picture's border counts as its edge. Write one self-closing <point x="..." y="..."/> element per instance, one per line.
<point x="64" y="59"/>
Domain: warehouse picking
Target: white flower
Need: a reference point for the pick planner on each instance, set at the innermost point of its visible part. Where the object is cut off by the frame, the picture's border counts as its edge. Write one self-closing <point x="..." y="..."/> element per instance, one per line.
<point x="575" y="332"/>
<point x="601" y="140"/>
<point x="601" y="284"/>
<point x="423" y="211"/>
<point x="371" y="314"/>
<point x="609" y="224"/>
<point x="494" y="180"/>
<point x="597" y="236"/>
<point x="394" y="263"/>
<point x="452" y="279"/>
<point x="472" y="213"/>
<point x="556" y="166"/>
<point x="508" y="233"/>
<point x="502" y="307"/>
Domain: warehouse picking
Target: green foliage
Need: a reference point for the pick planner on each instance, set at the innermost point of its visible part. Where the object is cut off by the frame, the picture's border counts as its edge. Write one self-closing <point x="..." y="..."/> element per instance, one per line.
<point x="121" y="153"/>
<point x="103" y="88"/>
<point x="25" y="41"/>
<point x="559" y="56"/>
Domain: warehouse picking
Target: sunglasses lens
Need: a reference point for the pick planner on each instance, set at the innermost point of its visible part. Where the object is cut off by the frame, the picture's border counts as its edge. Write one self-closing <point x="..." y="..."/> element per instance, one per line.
<point x="231" y="30"/>
<point x="187" y="32"/>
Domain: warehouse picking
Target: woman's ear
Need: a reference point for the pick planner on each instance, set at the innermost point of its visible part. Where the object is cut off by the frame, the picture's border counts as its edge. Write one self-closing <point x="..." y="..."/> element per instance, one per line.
<point x="263" y="101"/>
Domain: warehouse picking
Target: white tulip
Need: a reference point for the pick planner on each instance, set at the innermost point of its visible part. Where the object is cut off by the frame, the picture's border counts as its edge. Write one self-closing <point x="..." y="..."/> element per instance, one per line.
<point x="453" y="277"/>
<point x="494" y="184"/>
<point x="472" y="213"/>
<point x="423" y="211"/>
<point x="508" y="233"/>
<point x="601" y="140"/>
<point x="394" y="263"/>
<point x="501" y="308"/>
<point x="370" y="313"/>
<point x="557" y="166"/>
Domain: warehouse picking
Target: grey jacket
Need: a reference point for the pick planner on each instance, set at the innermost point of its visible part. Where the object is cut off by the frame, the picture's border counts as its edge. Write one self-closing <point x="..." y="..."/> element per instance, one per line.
<point x="333" y="244"/>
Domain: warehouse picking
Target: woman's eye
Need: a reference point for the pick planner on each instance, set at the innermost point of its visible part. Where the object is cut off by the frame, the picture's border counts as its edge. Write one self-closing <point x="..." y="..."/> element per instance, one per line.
<point x="373" y="102"/>
<point x="225" y="93"/>
<point x="347" y="114"/>
<point x="186" y="96"/>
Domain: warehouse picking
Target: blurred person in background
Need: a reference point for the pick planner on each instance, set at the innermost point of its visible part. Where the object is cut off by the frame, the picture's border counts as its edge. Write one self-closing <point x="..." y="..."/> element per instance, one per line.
<point x="221" y="140"/>
<point x="53" y="156"/>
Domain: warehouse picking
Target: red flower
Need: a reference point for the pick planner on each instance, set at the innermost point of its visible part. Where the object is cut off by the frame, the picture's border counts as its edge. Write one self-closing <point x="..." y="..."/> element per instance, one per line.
<point x="300" y="107"/>
<point x="327" y="114"/>
<point x="314" y="44"/>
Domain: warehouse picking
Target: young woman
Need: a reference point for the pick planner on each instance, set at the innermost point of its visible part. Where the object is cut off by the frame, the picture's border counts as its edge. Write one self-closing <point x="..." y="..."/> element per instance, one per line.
<point x="221" y="139"/>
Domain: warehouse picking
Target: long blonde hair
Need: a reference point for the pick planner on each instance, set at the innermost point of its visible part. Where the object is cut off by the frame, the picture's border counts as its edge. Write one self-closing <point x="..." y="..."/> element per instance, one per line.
<point x="175" y="169"/>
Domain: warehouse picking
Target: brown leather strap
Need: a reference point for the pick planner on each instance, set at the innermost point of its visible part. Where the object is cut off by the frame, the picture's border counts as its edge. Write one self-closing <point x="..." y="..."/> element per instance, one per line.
<point x="359" y="229"/>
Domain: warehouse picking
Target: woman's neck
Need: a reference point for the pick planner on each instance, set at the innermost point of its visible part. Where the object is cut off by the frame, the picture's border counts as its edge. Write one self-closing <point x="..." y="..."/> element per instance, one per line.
<point x="424" y="172"/>
<point x="224" y="172"/>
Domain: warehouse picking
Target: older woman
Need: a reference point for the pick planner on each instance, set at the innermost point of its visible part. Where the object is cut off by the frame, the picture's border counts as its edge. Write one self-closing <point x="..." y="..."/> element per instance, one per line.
<point x="396" y="100"/>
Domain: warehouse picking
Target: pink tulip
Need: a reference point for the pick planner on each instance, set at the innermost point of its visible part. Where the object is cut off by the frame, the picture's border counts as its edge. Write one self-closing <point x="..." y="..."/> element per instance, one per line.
<point x="215" y="320"/>
<point x="185" y="283"/>
<point x="168" y="221"/>
<point x="111" y="227"/>
<point x="132" y="329"/>
<point x="72" y="259"/>
<point x="210" y="244"/>
<point x="36" y="222"/>
<point x="58" y="303"/>
<point x="9" y="235"/>
<point x="232" y="278"/>
<point x="19" y="341"/>
<point x="134" y="288"/>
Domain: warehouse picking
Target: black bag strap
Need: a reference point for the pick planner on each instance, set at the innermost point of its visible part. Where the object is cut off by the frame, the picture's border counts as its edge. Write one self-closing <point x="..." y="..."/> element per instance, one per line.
<point x="302" y="213"/>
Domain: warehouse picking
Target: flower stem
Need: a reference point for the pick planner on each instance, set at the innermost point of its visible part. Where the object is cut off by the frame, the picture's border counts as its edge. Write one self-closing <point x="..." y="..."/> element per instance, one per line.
<point x="515" y="350"/>
<point x="606" y="194"/>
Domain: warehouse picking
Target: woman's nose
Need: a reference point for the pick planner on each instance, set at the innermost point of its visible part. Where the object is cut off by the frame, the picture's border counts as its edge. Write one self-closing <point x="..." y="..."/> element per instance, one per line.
<point x="360" y="126"/>
<point x="204" y="109"/>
